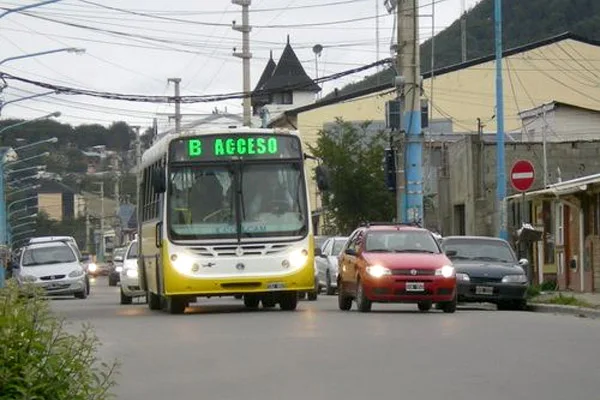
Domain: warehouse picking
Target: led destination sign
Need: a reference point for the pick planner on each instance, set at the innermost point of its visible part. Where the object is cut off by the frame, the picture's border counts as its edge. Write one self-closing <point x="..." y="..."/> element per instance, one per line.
<point x="213" y="148"/>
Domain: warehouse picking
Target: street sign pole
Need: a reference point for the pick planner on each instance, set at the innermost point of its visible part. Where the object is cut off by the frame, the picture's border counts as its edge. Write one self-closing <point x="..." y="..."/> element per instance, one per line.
<point x="522" y="176"/>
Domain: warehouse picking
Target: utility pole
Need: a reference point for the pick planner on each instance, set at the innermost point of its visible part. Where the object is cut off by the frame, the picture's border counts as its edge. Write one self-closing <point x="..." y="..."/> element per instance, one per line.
<point x="101" y="259"/>
<point x="138" y="163"/>
<point x="377" y="34"/>
<point x="87" y="225"/>
<point x="463" y="32"/>
<point x="409" y="85"/>
<point x="500" y="168"/>
<point x="117" y="200"/>
<point x="545" y="147"/>
<point x="177" y="81"/>
<point x="245" y="55"/>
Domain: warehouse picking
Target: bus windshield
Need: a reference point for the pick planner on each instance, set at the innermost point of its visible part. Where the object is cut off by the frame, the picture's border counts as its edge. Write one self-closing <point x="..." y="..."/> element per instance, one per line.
<point x="239" y="200"/>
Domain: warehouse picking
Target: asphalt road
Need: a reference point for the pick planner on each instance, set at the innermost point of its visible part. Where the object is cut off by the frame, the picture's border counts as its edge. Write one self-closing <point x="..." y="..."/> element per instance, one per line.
<point x="220" y="351"/>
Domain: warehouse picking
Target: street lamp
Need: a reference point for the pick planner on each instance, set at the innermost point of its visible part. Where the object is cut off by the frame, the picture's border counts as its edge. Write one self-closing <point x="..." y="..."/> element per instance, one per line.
<point x="33" y="96"/>
<point x="44" y="154"/>
<point x="23" y="8"/>
<point x="54" y="114"/>
<point x="26" y="146"/>
<point x="38" y="168"/>
<point x="23" y="189"/>
<point x="41" y="53"/>
<point x="20" y="210"/>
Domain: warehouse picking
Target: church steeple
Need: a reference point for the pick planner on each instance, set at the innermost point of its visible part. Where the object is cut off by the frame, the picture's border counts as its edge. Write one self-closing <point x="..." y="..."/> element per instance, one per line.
<point x="289" y="74"/>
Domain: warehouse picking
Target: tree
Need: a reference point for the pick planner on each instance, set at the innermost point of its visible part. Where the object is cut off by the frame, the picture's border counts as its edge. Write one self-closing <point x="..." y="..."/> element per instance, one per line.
<point x="353" y="155"/>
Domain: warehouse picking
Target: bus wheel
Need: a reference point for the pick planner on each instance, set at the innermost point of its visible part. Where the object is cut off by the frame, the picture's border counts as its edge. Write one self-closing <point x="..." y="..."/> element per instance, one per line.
<point x="288" y="301"/>
<point x="154" y="302"/>
<point x="176" y="305"/>
<point x="251" y="301"/>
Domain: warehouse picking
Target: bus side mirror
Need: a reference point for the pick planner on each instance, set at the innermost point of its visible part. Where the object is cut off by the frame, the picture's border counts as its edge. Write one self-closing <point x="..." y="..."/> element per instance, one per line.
<point x="159" y="180"/>
<point x="322" y="176"/>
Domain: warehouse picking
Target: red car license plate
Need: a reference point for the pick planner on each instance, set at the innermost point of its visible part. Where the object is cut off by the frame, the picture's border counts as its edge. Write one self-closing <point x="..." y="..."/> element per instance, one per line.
<point x="415" y="286"/>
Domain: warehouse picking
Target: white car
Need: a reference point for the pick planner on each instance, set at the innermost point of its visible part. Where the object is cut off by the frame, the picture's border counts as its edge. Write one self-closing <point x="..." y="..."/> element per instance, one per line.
<point x="326" y="263"/>
<point x="54" y="267"/>
<point x="130" y="284"/>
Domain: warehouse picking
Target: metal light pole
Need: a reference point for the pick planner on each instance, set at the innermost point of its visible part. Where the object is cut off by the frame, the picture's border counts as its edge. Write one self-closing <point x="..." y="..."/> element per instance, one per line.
<point x="27" y="146"/>
<point x="23" y="8"/>
<point x="6" y="154"/>
<point x="33" y="96"/>
<point x="54" y="114"/>
<point x="500" y="167"/>
<point x="42" y="53"/>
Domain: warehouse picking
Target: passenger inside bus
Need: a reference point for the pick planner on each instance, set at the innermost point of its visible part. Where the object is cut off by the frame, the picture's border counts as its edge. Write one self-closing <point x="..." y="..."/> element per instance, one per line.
<point x="264" y="194"/>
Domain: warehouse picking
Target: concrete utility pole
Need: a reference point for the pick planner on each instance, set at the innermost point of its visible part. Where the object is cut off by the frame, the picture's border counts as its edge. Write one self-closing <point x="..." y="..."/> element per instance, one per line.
<point x="138" y="162"/>
<point x="101" y="259"/>
<point x="409" y="85"/>
<point x="463" y="32"/>
<point x="117" y="223"/>
<point x="177" y="81"/>
<point x="500" y="168"/>
<point x="245" y="55"/>
<point x="87" y="225"/>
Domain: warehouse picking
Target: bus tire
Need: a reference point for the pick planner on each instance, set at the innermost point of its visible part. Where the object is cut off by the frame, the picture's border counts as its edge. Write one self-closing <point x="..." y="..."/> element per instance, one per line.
<point x="288" y="301"/>
<point x="176" y="304"/>
<point x="251" y="301"/>
<point x="154" y="301"/>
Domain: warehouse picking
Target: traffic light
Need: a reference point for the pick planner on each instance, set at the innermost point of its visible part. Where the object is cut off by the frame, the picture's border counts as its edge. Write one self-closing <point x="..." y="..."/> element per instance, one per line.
<point x="389" y="169"/>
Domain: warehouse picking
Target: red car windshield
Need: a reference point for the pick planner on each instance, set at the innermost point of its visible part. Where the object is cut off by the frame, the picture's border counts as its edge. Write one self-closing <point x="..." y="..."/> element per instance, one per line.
<point x="401" y="242"/>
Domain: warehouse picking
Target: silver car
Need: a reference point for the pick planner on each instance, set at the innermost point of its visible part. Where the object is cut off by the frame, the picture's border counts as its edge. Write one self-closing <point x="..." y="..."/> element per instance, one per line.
<point x="327" y="263"/>
<point x="53" y="267"/>
<point x="130" y="283"/>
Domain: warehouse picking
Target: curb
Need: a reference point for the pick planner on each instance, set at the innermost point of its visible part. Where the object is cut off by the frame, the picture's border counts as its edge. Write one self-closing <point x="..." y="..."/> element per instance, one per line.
<point x="581" y="312"/>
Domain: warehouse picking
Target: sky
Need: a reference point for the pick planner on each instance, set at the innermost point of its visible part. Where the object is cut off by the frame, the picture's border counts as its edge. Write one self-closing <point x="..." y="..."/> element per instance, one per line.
<point x="137" y="51"/>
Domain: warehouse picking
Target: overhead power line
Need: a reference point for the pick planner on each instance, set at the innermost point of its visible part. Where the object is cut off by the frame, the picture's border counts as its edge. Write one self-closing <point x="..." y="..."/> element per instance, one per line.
<point x="190" y="99"/>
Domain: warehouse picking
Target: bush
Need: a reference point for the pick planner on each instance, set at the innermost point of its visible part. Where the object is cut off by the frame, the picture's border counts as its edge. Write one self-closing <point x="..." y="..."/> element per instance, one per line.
<point x="39" y="360"/>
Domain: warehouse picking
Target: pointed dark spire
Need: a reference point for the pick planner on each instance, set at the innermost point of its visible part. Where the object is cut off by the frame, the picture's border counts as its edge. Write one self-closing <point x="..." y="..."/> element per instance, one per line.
<point x="289" y="74"/>
<point x="271" y="55"/>
<point x="288" y="39"/>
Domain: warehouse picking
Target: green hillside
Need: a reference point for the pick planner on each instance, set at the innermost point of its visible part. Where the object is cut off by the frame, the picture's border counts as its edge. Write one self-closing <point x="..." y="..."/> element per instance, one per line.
<point x="524" y="22"/>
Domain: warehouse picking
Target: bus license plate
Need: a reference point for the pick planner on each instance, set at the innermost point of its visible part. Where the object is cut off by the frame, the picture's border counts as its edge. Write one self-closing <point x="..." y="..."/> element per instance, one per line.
<point x="275" y="285"/>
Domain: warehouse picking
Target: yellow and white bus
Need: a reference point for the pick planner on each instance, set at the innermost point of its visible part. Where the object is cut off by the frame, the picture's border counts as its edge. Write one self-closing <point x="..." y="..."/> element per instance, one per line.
<point x="225" y="212"/>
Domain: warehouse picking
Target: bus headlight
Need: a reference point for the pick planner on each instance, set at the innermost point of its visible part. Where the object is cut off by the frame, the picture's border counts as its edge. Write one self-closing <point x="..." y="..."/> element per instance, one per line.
<point x="298" y="258"/>
<point x="182" y="262"/>
<point x="92" y="267"/>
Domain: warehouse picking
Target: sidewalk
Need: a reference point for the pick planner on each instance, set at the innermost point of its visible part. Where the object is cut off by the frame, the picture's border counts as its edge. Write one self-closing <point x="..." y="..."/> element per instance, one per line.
<point x="586" y="305"/>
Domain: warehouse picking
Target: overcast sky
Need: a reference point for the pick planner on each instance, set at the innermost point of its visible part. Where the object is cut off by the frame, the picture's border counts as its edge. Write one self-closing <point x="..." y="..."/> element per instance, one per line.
<point x="189" y="39"/>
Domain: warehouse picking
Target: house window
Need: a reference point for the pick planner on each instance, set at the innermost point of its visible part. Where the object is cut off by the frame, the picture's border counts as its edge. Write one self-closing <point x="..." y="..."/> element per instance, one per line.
<point x="288" y="98"/>
<point x="560" y="224"/>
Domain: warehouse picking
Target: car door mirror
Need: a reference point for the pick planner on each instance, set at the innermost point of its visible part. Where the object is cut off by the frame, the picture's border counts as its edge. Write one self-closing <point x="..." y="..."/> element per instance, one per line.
<point x="523" y="262"/>
<point x="450" y="253"/>
<point x="318" y="252"/>
<point x="350" y="252"/>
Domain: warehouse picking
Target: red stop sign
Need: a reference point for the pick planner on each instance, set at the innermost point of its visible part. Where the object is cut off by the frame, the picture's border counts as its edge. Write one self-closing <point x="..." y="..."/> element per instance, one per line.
<point x="522" y="175"/>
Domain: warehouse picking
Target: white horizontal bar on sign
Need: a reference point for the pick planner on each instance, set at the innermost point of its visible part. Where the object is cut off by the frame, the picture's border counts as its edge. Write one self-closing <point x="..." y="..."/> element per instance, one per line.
<point x="522" y="175"/>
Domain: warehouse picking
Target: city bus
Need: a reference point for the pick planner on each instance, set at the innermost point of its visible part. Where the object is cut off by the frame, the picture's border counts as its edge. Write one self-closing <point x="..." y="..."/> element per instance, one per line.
<point x="225" y="212"/>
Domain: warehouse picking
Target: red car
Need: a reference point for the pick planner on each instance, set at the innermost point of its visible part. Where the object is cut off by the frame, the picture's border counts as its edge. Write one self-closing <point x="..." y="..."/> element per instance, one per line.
<point x="395" y="263"/>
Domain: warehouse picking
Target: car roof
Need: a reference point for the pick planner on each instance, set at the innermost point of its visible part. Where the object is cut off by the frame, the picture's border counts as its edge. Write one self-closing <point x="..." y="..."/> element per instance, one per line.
<point x="492" y="238"/>
<point x="55" y="243"/>
<point x="394" y="227"/>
